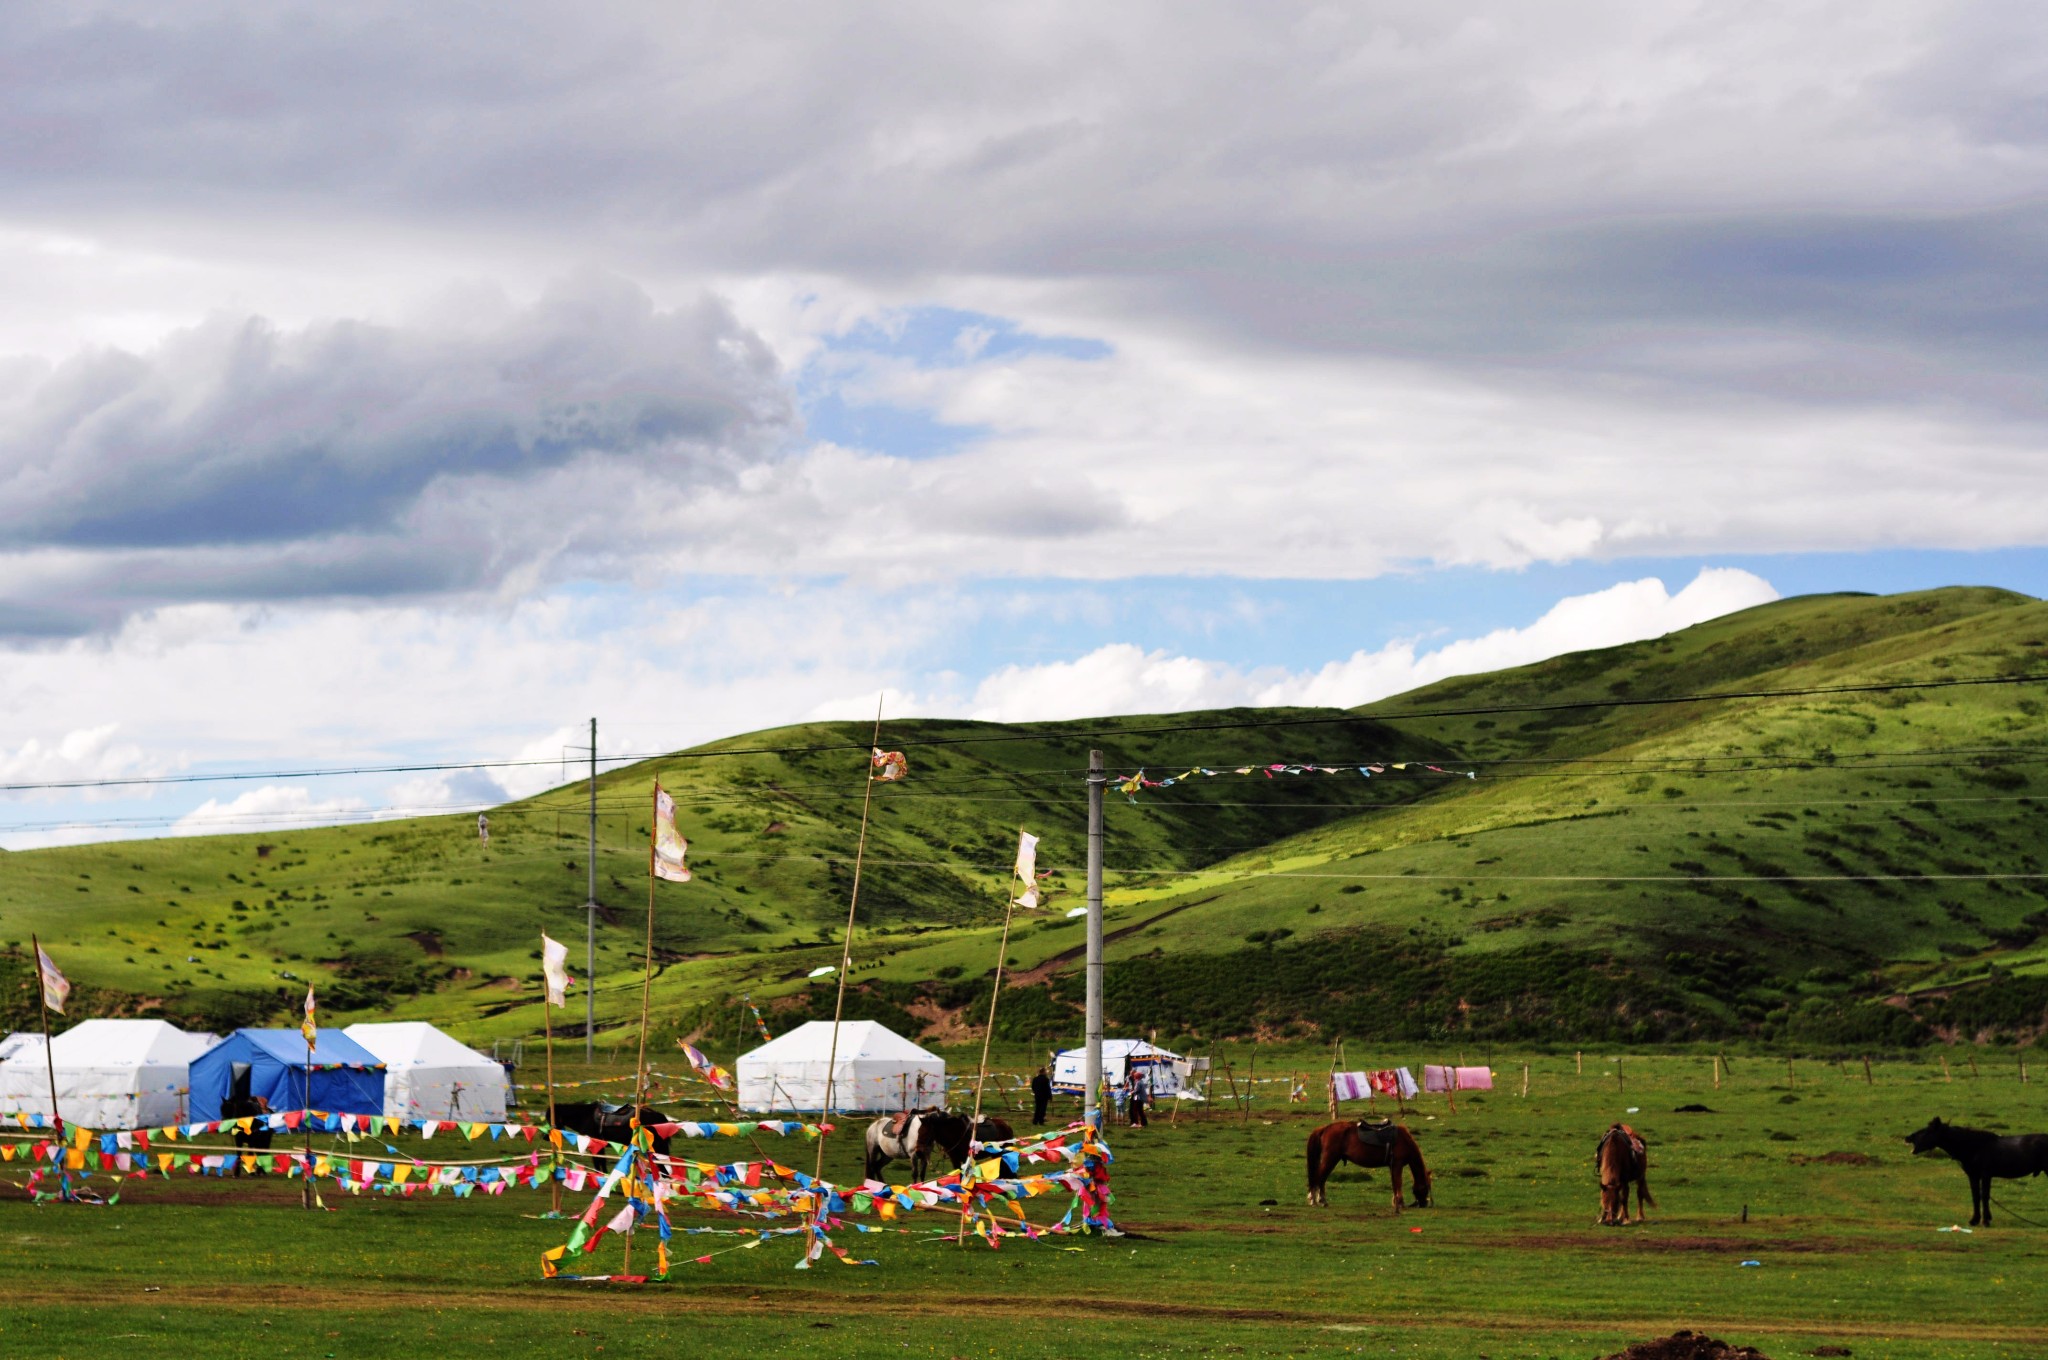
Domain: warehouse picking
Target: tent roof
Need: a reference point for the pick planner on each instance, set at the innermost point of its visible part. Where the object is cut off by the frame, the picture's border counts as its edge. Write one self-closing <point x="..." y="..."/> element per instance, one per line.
<point x="1124" y="1048"/>
<point x="417" y="1043"/>
<point x="20" y="1041"/>
<point x="288" y="1046"/>
<point x="812" y="1042"/>
<point x="116" y="1043"/>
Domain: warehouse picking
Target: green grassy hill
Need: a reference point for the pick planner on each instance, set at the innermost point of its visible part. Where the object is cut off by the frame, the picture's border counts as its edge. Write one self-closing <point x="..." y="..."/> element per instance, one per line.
<point x="1843" y="869"/>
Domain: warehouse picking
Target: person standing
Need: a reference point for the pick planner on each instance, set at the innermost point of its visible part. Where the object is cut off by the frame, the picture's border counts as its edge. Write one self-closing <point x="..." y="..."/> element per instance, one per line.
<point x="1139" y="1097"/>
<point x="1041" y="1096"/>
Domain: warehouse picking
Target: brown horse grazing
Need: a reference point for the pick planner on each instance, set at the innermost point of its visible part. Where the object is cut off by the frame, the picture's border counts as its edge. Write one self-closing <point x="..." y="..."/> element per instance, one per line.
<point x="1384" y="1144"/>
<point x="1623" y="1159"/>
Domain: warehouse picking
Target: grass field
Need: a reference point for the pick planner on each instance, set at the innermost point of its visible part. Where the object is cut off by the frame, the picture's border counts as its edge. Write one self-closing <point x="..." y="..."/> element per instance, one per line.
<point x="1842" y="1220"/>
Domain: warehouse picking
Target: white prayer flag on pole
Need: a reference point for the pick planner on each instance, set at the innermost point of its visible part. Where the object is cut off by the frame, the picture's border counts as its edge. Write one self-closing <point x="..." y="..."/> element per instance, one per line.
<point x="554" y="963"/>
<point x="1027" y="869"/>
<point x="669" y="845"/>
<point x="483" y="828"/>
<point x="55" y="985"/>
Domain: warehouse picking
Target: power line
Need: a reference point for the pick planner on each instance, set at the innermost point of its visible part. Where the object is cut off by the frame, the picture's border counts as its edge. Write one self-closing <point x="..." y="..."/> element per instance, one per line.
<point x="1054" y="735"/>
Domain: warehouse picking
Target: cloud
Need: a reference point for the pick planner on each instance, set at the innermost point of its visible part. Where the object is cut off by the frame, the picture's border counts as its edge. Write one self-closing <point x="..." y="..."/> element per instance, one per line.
<point x="238" y="461"/>
<point x="270" y="807"/>
<point x="83" y="753"/>
<point x="1120" y="678"/>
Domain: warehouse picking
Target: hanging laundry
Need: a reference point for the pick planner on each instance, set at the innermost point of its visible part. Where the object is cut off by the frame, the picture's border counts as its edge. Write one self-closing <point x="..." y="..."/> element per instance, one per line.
<point x="1393" y="1081"/>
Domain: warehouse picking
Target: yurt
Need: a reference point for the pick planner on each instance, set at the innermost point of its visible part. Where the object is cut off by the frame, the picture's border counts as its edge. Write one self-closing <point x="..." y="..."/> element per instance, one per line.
<point x="1122" y="1059"/>
<point x="344" y="1077"/>
<point x="875" y="1069"/>
<point x="432" y="1075"/>
<point x="111" y="1074"/>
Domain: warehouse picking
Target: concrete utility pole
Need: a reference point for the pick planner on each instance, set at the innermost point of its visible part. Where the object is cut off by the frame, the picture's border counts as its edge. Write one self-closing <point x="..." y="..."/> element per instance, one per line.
<point x="590" y="914"/>
<point x="1091" y="1069"/>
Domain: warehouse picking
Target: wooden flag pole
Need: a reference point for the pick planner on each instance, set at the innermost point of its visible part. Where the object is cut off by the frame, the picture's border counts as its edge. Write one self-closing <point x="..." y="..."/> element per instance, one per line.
<point x="547" y="1015"/>
<point x="306" y="1122"/>
<point x="646" y="987"/>
<point x="860" y="850"/>
<point x="988" y="1034"/>
<point x="49" y="1058"/>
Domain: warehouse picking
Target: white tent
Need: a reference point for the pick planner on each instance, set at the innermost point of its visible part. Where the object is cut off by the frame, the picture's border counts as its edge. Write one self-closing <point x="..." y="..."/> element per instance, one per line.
<point x="111" y="1074"/>
<point x="21" y="1041"/>
<point x="430" y="1075"/>
<point x="1121" y="1060"/>
<point x="877" y="1069"/>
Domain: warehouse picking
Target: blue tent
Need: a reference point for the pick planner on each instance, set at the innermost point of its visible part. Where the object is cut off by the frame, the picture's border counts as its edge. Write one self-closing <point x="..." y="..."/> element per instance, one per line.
<point x="271" y="1063"/>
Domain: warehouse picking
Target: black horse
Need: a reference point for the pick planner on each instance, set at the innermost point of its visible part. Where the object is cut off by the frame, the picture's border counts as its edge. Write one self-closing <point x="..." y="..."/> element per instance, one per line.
<point x="1983" y="1155"/>
<point x="613" y="1123"/>
<point x="948" y="1132"/>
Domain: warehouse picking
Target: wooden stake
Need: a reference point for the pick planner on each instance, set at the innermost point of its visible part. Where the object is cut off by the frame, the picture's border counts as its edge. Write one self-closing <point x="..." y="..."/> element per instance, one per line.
<point x="1867" y="1081"/>
<point x="1525" y="1081"/>
<point x="1944" y="1068"/>
<point x="1579" y="1060"/>
<point x="1335" y="1048"/>
<point x="49" y="1057"/>
<point x="1717" y="1071"/>
<point x="1620" y="1083"/>
<point x="1973" y="1067"/>
<point x="1250" y="1088"/>
<point x="1791" y="1078"/>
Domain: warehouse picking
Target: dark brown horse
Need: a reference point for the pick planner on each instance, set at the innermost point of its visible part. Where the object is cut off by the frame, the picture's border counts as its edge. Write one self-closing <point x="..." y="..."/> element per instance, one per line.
<point x="1623" y="1160"/>
<point x="1984" y="1154"/>
<point x="1385" y="1144"/>
<point x="948" y="1132"/>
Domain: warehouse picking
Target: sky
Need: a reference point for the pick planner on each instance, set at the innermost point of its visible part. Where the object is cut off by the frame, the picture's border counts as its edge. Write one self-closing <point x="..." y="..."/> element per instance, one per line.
<point x="388" y="384"/>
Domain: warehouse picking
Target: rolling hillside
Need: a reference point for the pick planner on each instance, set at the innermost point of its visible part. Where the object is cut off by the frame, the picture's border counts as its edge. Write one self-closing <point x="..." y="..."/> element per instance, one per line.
<point x="1847" y="869"/>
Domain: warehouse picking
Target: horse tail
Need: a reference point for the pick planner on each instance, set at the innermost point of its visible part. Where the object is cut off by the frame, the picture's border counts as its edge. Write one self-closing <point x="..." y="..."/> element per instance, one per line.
<point x="1315" y="1157"/>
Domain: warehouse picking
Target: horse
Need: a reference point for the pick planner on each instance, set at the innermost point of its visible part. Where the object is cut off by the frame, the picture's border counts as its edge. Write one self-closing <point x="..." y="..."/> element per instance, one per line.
<point x="257" y="1139"/>
<point x="894" y="1138"/>
<point x="950" y="1133"/>
<point x="1383" y="1144"/>
<point x="1622" y="1159"/>
<point x="613" y="1123"/>
<point x="1983" y="1155"/>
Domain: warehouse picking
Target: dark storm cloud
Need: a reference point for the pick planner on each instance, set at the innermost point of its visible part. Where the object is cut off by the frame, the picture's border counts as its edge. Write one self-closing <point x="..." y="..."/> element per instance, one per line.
<point x="236" y="460"/>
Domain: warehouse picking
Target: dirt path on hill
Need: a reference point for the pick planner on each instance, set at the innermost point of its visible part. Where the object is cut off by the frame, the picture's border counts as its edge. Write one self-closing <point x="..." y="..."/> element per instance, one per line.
<point x="1066" y="956"/>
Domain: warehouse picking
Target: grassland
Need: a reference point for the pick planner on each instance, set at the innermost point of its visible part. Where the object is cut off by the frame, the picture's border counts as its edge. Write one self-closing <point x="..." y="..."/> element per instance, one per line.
<point x="1839" y="872"/>
<point x="1801" y="1171"/>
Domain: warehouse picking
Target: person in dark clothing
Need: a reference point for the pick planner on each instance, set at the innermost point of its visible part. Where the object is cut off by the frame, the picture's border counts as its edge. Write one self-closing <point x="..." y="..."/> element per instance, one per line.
<point x="1041" y="1096"/>
<point x="1139" y="1099"/>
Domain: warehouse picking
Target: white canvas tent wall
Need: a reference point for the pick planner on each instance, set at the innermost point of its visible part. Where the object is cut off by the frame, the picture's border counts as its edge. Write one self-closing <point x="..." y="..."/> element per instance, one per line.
<point x="877" y="1069"/>
<point x="1121" y="1059"/>
<point x="111" y="1074"/>
<point x="432" y="1075"/>
<point x="19" y="1042"/>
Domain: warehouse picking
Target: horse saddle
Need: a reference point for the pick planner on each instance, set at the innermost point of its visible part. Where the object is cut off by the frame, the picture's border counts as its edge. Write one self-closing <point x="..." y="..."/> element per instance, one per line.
<point x="898" y="1122"/>
<point x="1376" y="1135"/>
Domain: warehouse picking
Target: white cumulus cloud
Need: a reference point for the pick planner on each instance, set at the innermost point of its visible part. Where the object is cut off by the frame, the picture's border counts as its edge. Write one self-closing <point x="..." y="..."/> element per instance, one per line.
<point x="1121" y="678"/>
